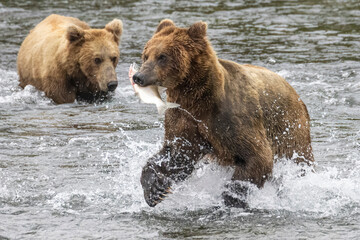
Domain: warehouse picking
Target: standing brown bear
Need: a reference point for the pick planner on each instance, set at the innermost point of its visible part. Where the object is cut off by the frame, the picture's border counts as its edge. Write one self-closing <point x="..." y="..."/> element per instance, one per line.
<point x="68" y="60"/>
<point x="243" y="116"/>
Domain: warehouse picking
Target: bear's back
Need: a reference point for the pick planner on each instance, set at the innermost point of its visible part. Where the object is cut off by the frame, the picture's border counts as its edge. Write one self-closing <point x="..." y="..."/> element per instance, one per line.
<point x="57" y="23"/>
<point x="264" y="95"/>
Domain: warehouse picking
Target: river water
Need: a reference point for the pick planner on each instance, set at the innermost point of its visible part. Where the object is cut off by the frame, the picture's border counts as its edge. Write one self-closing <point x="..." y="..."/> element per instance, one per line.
<point x="72" y="171"/>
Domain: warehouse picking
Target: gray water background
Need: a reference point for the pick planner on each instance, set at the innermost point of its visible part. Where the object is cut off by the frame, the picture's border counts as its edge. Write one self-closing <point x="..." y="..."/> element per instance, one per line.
<point x="72" y="171"/>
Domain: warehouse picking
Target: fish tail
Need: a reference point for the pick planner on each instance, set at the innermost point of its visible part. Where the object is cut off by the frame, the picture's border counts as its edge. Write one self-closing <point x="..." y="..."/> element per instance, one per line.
<point x="172" y="105"/>
<point x="132" y="70"/>
<point x="162" y="107"/>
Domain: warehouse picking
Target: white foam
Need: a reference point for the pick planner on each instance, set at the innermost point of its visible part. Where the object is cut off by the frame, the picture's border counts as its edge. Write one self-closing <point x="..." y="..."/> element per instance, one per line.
<point x="325" y="192"/>
<point x="201" y="190"/>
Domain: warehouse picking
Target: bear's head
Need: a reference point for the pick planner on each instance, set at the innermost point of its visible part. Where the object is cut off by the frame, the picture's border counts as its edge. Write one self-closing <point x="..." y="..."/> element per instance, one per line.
<point x="170" y="55"/>
<point x="95" y="53"/>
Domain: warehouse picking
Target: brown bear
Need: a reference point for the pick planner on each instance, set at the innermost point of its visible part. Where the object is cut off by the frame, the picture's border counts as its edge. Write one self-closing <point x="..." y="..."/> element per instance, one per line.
<point x="68" y="60"/>
<point x="242" y="116"/>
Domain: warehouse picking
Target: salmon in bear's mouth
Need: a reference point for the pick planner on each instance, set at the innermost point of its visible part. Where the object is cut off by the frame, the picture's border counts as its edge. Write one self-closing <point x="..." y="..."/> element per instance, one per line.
<point x="151" y="93"/>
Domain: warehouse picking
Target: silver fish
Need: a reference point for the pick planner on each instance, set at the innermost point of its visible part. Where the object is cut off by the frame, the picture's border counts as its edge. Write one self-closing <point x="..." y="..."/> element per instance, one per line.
<point x="150" y="94"/>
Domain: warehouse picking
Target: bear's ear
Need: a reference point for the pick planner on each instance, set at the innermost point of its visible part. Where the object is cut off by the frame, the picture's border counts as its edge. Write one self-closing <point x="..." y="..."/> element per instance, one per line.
<point x="74" y="34"/>
<point x="164" y="23"/>
<point x="198" y="30"/>
<point x="116" y="28"/>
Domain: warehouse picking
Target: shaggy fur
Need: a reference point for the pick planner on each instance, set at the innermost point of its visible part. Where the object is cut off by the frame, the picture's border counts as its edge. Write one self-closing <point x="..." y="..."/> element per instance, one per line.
<point x="68" y="60"/>
<point x="242" y="115"/>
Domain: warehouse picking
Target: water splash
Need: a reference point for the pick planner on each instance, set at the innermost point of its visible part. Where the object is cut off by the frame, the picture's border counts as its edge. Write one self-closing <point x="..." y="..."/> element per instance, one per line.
<point x="324" y="192"/>
<point x="12" y="94"/>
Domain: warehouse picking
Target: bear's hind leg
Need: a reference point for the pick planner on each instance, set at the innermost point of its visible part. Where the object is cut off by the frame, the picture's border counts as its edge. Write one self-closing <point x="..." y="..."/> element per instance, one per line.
<point x="254" y="171"/>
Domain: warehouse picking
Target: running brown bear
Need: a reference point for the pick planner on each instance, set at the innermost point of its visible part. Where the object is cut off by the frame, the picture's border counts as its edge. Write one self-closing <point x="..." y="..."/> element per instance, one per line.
<point x="242" y="115"/>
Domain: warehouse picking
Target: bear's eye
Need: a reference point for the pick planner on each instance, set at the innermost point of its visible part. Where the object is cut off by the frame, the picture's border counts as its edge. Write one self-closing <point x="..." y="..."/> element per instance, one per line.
<point x="97" y="60"/>
<point x="114" y="59"/>
<point x="162" y="57"/>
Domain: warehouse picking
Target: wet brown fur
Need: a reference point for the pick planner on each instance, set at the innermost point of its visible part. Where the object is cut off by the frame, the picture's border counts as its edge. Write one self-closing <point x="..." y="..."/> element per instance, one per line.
<point x="57" y="57"/>
<point x="242" y="114"/>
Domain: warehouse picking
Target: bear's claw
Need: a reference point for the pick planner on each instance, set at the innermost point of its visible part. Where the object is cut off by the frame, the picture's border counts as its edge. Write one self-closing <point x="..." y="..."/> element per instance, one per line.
<point x="156" y="198"/>
<point x="168" y="190"/>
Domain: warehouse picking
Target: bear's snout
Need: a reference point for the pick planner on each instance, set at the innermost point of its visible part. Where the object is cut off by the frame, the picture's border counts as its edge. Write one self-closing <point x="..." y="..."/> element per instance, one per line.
<point x="144" y="79"/>
<point x="112" y="86"/>
<point x="138" y="79"/>
<point x="108" y="81"/>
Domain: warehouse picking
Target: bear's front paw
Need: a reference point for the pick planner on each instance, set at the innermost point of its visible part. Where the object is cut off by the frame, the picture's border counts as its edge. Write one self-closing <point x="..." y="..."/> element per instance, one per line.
<point x="156" y="186"/>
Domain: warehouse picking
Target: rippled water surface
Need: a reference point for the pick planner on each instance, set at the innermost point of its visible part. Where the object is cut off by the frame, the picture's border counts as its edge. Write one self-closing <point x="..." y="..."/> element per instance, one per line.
<point x="72" y="171"/>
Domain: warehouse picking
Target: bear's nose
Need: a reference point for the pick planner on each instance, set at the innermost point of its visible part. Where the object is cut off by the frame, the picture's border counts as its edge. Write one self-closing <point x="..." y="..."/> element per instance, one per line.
<point x="112" y="86"/>
<point x="138" y="79"/>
